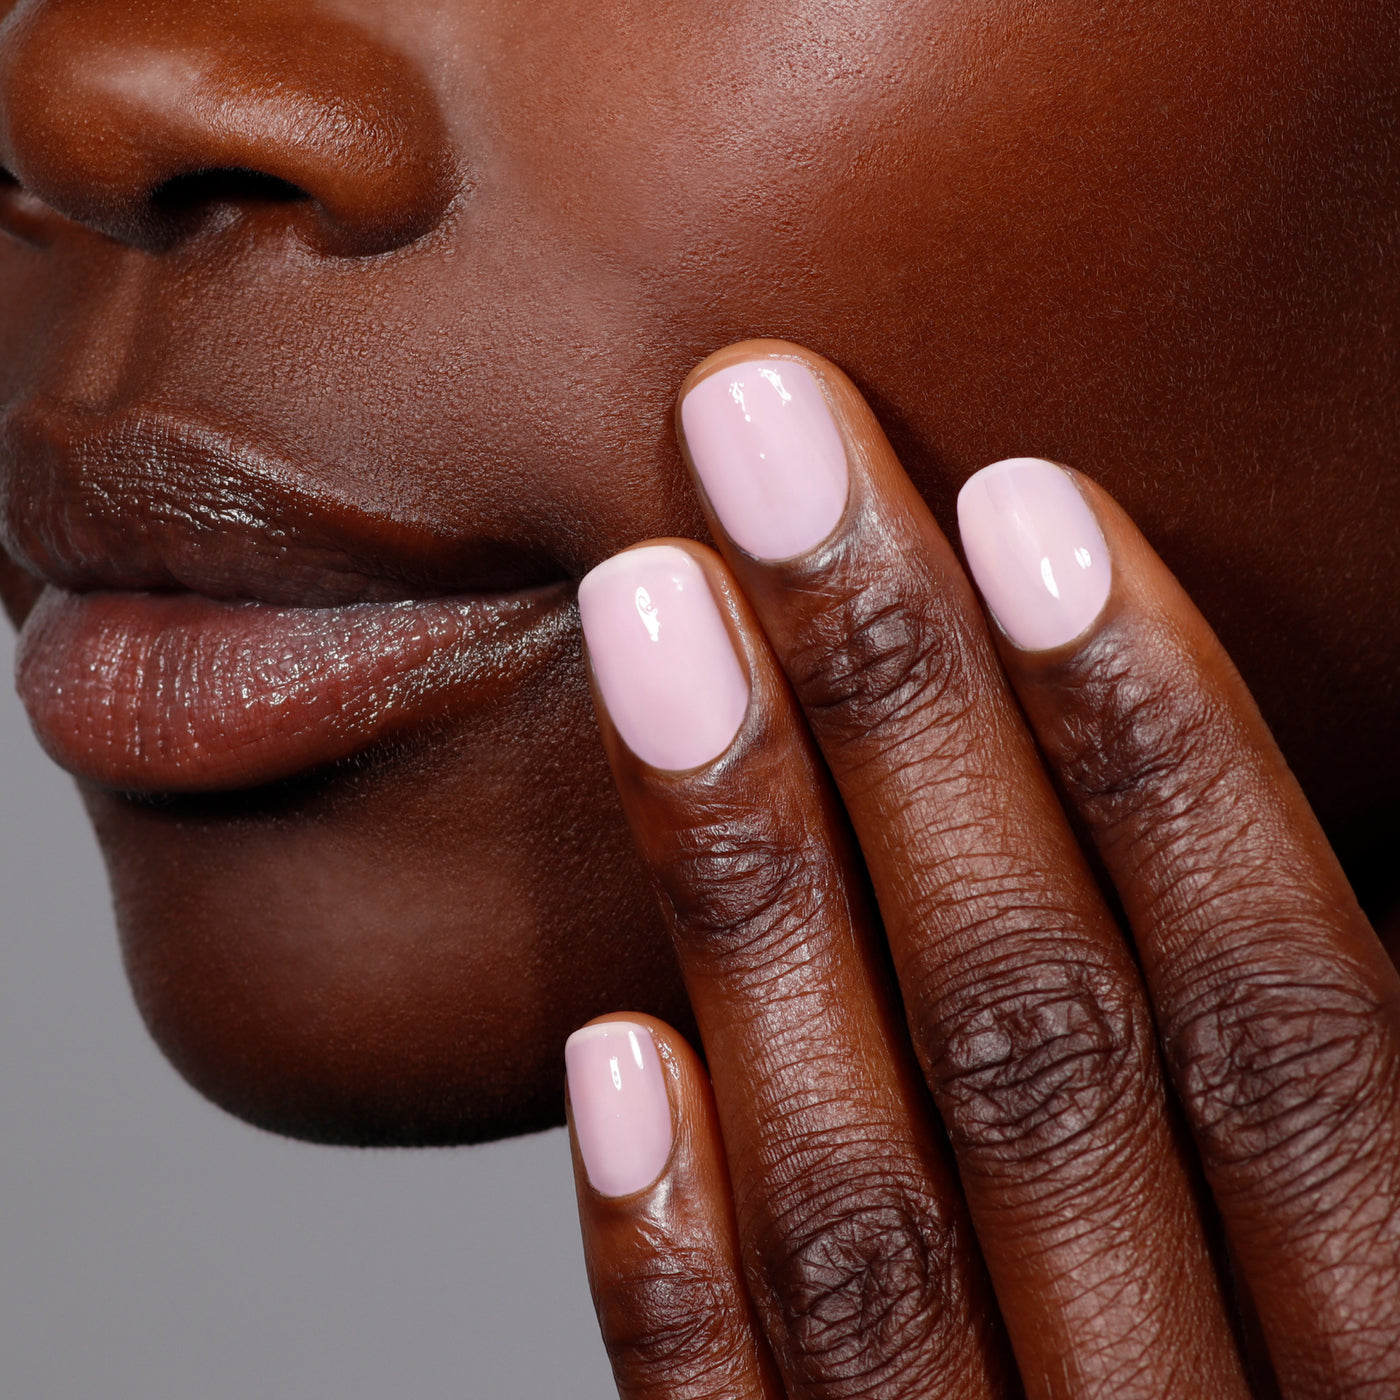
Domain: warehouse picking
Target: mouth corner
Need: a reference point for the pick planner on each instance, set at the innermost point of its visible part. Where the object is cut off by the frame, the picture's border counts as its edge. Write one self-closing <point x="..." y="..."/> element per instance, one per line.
<point x="19" y="590"/>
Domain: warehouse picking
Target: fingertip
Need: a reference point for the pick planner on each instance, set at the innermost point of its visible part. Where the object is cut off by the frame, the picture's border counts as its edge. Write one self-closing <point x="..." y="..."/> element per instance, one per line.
<point x="1036" y="551"/>
<point x="621" y="1113"/>
<point x="664" y="662"/>
<point x="765" y="447"/>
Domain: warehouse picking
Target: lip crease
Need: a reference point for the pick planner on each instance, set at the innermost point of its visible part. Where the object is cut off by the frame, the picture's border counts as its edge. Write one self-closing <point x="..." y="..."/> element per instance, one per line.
<point x="209" y="623"/>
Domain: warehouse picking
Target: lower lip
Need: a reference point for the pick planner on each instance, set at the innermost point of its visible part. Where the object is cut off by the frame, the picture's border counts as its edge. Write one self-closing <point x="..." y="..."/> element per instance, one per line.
<point x="171" y="692"/>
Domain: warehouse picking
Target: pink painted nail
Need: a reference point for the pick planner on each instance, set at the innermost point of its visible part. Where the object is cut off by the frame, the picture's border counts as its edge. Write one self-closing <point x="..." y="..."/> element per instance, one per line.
<point x="622" y="1117"/>
<point x="768" y="453"/>
<point x="662" y="655"/>
<point x="1035" y="550"/>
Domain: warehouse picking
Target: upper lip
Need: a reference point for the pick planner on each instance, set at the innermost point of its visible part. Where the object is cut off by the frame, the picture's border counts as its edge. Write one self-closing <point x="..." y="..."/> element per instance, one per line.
<point x="148" y="499"/>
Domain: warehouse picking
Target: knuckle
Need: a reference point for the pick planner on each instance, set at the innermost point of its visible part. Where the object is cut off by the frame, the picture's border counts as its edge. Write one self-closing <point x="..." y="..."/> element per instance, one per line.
<point x="862" y="1278"/>
<point x="1281" y="1074"/>
<point x="874" y="656"/>
<point x="1135" y="734"/>
<point x="731" y="881"/>
<point x="1039" y="1065"/>
<point x="670" y="1325"/>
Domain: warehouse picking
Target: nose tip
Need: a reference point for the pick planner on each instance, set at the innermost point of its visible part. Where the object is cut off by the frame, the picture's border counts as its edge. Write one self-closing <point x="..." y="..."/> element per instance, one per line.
<point x="138" y="120"/>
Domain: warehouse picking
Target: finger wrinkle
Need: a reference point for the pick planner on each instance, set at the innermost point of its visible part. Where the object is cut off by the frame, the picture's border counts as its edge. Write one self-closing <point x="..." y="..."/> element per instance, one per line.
<point x="934" y="752"/>
<point x="975" y="913"/>
<point x="862" y="1278"/>
<point x="1280" y="1067"/>
<point x="1037" y="1075"/>
<point x="733" y="882"/>
<point x="671" y="1326"/>
<point x="877" y="650"/>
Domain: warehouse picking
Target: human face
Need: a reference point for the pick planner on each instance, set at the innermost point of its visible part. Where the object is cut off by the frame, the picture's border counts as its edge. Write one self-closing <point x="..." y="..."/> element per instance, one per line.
<point x="384" y="305"/>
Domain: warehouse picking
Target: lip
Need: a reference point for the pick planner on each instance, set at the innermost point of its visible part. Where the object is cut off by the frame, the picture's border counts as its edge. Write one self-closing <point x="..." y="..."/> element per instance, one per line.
<point x="209" y="623"/>
<point x="150" y="499"/>
<point x="150" y="692"/>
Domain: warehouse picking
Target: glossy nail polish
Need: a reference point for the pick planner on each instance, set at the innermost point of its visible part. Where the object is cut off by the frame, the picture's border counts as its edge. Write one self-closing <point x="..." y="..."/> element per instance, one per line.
<point x="621" y="1113"/>
<point x="1035" y="551"/>
<point x="768" y="454"/>
<point x="662" y="655"/>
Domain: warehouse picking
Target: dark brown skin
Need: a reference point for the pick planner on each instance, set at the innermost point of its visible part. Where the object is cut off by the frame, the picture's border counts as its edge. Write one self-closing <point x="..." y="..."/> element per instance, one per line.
<point x="452" y="262"/>
<point x="877" y="687"/>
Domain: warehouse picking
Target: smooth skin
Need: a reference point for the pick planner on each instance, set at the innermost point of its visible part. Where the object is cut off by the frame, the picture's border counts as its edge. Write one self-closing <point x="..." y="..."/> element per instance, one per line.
<point x="894" y="826"/>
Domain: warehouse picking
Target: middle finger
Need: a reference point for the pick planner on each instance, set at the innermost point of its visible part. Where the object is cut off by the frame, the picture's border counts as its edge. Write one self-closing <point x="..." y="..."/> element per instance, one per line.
<point x="1025" y="1006"/>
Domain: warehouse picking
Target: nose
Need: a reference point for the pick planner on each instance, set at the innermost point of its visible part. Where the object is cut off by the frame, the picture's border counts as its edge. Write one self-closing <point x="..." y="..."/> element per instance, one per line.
<point x="143" y="118"/>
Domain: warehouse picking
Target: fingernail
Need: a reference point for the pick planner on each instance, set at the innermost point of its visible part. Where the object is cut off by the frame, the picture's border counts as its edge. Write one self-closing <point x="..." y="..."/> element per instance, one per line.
<point x="769" y="455"/>
<point x="662" y="656"/>
<point x="1035" y="550"/>
<point x="622" y="1117"/>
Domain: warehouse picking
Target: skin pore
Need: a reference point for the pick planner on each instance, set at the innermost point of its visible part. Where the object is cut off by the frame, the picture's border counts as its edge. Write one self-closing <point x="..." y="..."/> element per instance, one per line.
<point x="444" y="265"/>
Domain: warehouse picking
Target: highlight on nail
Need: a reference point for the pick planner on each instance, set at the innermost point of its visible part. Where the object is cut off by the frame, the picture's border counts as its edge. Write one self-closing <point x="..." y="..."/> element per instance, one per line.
<point x="663" y="658"/>
<point x="1035" y="551"/>
<point x="769" y="455"/>
<point x="621" y="1111"/>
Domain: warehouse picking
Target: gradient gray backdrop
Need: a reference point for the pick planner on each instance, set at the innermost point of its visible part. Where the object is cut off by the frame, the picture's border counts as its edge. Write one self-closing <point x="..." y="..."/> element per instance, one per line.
<point x="152" y="1248"/>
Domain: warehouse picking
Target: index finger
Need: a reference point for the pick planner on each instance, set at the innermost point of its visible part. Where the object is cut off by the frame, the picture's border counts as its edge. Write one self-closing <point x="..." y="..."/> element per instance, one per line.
<point x="857" y="1249"/>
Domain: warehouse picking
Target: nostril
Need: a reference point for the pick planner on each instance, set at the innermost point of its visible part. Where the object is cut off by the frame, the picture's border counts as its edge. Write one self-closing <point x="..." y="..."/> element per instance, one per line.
<point x="197" y="201"/>
<point x="185" y="201"/>
<point x="182" y="194"/>
<point x="21" y="214"/>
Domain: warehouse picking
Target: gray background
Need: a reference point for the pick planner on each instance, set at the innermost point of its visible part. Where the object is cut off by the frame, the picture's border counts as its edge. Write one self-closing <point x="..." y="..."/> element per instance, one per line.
<point x="152" y="1248"/>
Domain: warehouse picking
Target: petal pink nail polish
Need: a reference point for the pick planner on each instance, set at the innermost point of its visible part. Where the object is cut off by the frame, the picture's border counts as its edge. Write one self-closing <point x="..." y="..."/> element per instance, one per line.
<point x="1035" y="551"/>
<point x="662" y="656"/>
<point x="769" y="455"/>
<point x="622" y="1116"/>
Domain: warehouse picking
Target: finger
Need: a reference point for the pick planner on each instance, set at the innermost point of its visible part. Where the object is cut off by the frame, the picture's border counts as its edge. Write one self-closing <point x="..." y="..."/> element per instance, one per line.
<point x="852" y="1228"/>
<point x="1024" y="1004"/>
<point x="658" y="1223"/>
<point x="1277" y="1005"/>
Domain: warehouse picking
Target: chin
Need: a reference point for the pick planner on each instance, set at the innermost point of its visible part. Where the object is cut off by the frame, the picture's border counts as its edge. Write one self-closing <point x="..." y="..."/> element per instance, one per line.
<point x="392" y="952"/>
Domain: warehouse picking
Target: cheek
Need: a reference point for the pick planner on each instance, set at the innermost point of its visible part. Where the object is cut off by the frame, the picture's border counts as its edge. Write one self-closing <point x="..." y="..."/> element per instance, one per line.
<point x="738" y="139"/>
<point x="1153" y="240"/>
<point x="395" y="958"/>
<point x="1006" y="192"/>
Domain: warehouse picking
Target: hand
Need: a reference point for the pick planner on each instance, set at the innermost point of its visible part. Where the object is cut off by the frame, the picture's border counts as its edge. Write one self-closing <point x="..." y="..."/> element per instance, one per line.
<point x="979" y="1101"/>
